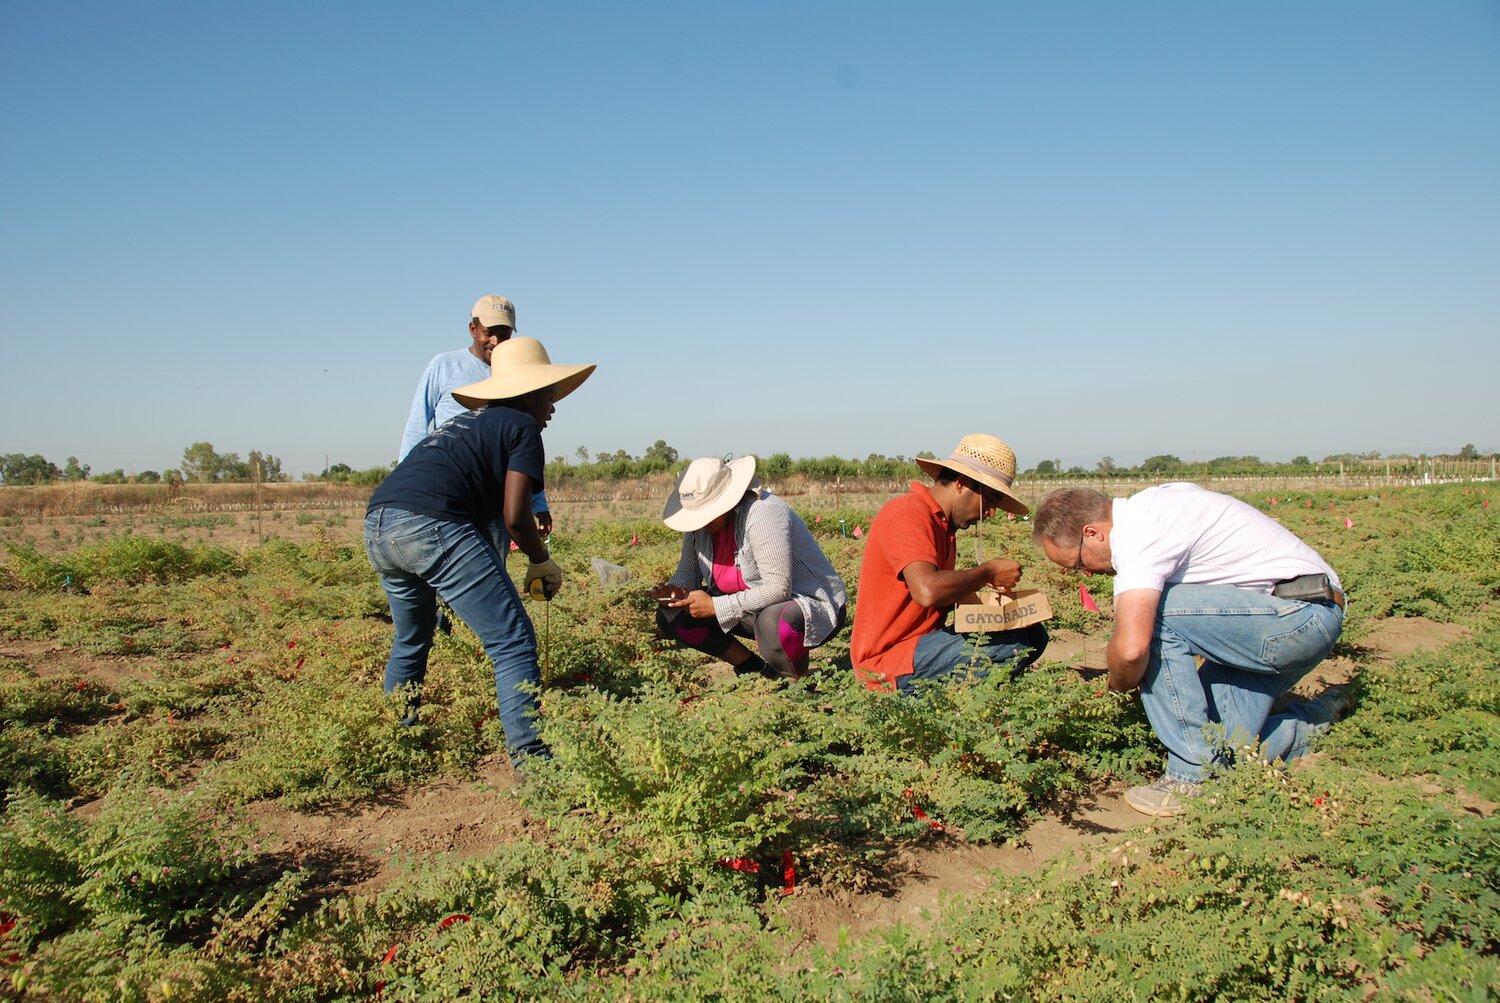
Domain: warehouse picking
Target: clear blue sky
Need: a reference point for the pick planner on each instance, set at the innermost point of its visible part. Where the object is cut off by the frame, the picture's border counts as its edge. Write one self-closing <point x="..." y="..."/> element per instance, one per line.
<point x="1092" y="229"/>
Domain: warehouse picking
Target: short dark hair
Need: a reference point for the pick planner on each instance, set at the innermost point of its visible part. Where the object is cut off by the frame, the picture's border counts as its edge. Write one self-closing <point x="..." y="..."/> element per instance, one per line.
<point x="1062" y="515"/>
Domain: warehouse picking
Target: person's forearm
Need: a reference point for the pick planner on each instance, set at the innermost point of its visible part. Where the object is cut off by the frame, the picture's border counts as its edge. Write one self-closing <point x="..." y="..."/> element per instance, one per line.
<point x="1125" y="671"/>
<point x="945" y="588"/>
<point x="528" y="540"/>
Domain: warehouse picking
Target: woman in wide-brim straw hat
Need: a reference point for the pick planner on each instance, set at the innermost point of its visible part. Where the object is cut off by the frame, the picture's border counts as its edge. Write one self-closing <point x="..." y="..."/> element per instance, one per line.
<point x="750" y="568"/>
<point x="425" y="532"/>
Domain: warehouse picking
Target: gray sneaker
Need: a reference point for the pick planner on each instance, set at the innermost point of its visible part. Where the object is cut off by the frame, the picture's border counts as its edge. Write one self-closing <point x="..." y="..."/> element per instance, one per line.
<point x="1335" y="702"/>
<point x="1164" y="798"/>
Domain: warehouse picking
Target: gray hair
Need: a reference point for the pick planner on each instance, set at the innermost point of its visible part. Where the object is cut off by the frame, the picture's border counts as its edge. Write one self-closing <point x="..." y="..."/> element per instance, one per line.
<point x="1062" y="515"/>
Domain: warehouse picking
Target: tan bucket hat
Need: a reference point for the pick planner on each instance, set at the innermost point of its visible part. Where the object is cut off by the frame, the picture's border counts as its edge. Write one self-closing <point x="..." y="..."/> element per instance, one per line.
<point x="707" y="489"/>
<point x="517" y="367"/>
<point x="985" y="459"/>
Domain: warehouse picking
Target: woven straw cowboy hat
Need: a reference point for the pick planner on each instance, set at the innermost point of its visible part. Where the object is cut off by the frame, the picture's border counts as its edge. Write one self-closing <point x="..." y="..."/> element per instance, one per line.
<point x="985" y="459"/>
<point x="517" y="367"/>
<point x="707" y="489"/>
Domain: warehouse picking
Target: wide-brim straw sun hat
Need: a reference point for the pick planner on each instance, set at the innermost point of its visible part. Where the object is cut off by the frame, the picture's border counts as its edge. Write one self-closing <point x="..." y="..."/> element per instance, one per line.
<point x="517" y="367"/>
<point x="707" y="489"/>
<point x="985" y="459"/>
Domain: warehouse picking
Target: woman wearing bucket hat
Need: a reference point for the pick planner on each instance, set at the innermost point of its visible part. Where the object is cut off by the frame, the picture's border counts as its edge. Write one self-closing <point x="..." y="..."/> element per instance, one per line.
<point x="750" y="568"/>
<point x="425" y="532"/>
<point x="907" y="578"/>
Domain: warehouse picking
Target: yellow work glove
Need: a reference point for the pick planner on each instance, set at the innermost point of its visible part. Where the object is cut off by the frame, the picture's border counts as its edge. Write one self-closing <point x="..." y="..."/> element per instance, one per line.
<point x="543" y="580"/>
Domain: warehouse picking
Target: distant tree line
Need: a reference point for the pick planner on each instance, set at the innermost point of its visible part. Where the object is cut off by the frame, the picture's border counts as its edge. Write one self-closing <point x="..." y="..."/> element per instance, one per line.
<point x="342" y="473"/>
<point x="201" y="463"/>
<point x="1167" y="465"/>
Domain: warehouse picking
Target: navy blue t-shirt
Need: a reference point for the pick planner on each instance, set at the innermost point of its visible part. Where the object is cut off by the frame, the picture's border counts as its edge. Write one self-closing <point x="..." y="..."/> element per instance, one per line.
<point x="457" y="474"/>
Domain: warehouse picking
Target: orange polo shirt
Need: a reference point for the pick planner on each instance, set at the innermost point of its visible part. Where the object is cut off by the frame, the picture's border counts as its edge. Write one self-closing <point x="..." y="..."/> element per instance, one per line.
<point x="888" y="622"/>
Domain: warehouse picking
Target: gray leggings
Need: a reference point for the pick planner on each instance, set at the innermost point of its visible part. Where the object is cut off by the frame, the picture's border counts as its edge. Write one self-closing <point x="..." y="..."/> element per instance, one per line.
<point x="780" y="634"/>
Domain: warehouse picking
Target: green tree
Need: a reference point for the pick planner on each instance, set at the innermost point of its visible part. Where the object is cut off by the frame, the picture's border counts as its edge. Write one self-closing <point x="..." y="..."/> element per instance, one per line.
<point x="268" y="467"/>
<point x="200" y="463"/>
<point x="20" y="469"/>
<point x="582" y="453"/>
<point x="660" y="452"/>
<point x="75" y="471"/>
<point x="1106" y="465"/>
<point x="1468" y="452"/>
<point x="775" y="467"/>
<point x="1046" y="467"/>
<point x="1164" y="464"/>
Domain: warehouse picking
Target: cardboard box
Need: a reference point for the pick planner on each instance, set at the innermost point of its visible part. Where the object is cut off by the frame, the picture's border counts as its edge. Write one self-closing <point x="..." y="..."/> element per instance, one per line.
<point x="996" y="612"/>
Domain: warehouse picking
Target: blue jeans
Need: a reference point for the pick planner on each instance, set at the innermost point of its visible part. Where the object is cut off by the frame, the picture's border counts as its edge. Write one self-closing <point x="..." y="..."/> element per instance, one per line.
<point x="1254" y="648"/>
<point x="420" y="558"/>
<point x="945" y="650"/>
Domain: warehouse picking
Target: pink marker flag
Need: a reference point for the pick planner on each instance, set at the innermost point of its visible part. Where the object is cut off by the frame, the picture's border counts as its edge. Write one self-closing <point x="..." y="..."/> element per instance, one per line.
<point x="858" y="532"/>
<point x="635" y="539"/>
<point x="513" y="545"/>
<point x="1273" y="501"/>
<point x="817" y="518"/>
<point x="1309" y="503"/>
<point x="1086" y="599"/>
<point x="1348" y="522"/>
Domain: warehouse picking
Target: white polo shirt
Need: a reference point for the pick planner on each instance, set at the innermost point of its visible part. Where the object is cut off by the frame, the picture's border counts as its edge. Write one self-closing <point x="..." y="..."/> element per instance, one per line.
<point x="1181" y="534"/>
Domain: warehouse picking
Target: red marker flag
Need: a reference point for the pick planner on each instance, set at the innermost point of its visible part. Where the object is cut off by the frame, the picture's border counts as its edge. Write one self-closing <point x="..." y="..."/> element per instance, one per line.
<point x="1086" y="599"/>
<point x="1348" y="522"/>
<point x="635" y="539"/>
<point x="788" y="873"/>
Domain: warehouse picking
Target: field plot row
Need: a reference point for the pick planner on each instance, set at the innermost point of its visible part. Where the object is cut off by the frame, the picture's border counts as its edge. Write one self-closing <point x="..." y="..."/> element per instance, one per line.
<point x="207" y="796"/>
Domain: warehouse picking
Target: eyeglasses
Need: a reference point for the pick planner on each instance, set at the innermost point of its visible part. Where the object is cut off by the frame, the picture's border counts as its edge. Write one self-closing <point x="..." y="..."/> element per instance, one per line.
<point x="1078" y="563"/>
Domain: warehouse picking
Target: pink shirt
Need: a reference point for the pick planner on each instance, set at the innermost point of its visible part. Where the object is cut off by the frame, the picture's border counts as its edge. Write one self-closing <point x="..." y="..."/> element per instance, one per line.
<point x="727" y="576"/>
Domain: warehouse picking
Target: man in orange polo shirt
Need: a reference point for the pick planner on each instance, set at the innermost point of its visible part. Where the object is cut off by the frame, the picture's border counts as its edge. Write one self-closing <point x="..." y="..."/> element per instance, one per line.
<point x="907" y="580"/>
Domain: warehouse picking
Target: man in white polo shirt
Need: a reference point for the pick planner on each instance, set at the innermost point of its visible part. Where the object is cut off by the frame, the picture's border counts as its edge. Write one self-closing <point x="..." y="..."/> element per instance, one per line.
<point x="1202" y="575"/>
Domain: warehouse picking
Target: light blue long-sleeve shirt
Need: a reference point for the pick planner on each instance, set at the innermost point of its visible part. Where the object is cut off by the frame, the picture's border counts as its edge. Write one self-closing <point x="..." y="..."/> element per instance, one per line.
<point x="433" y="404"/>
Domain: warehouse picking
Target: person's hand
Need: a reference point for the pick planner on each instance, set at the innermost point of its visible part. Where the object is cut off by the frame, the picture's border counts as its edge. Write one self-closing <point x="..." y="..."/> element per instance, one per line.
<point x="666" y="594"/>
<point x="544" y="524"/>
<point x="698" y="603"/>
<point x="1003" y="573"/>
<point x="543" y="580"/>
